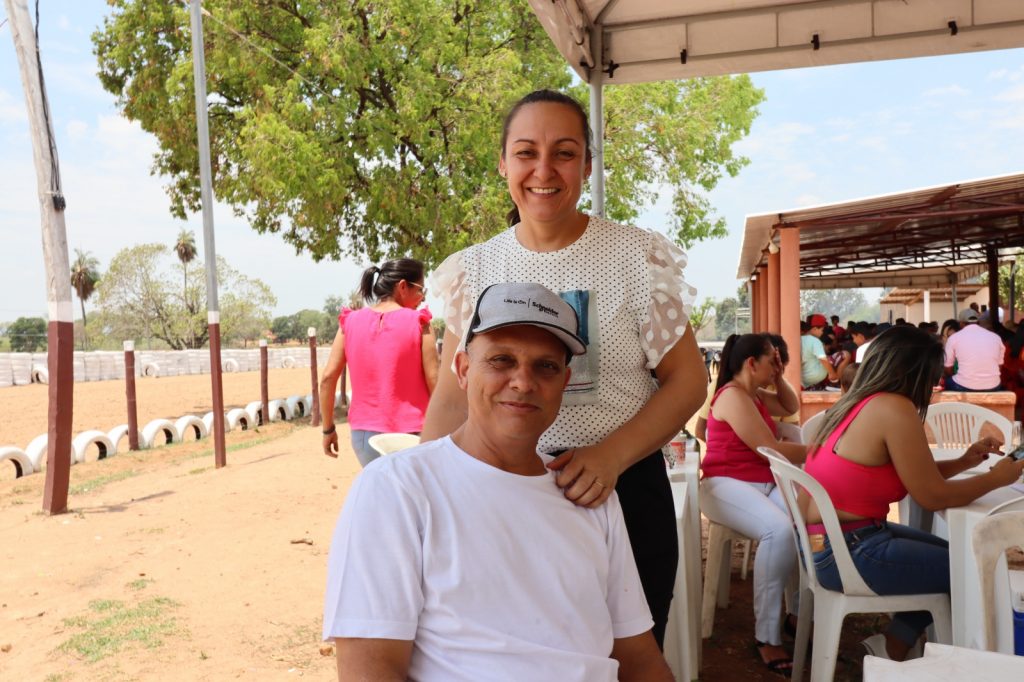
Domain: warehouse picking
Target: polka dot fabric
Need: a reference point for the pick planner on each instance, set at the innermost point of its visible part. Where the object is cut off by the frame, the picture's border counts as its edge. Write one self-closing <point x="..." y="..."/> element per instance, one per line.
<point x="643" y="304"/>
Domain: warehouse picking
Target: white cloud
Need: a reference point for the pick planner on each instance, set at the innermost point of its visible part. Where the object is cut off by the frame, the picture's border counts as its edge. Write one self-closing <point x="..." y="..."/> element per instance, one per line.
<point x="946" y="91"/>
<point x="804" y="200"/>
<point x="1014" y="94"/>
<point x="12" y="109"/>
<point x="996" y="75"/>
<point x="77" y="129"/>
<point x="63" y="23"/>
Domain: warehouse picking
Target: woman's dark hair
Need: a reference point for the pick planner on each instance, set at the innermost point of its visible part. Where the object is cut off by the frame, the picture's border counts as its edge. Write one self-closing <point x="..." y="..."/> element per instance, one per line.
<point x="904" y="360"/>
<point x="378" y="283"/>
<point x="550" y="97"/>
<point x="736" y="351"/>
<point x="949" y="324"/>
<point x="1016" y="342"/>
<point x="781" y="346"/>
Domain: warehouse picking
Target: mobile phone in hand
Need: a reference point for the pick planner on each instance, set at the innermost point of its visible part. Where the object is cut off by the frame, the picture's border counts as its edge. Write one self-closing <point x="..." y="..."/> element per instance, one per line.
<point x="1018" y="454"/>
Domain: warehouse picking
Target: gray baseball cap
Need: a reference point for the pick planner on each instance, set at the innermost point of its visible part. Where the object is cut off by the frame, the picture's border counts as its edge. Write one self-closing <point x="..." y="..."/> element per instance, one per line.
<point x="514" y="303"/>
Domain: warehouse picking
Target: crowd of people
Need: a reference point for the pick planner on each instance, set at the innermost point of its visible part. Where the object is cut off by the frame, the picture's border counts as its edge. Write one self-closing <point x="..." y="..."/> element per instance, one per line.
<point x="531" y="534"/>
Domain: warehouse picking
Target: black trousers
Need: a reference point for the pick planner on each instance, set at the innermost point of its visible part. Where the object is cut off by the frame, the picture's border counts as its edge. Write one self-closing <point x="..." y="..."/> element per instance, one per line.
<point x="646" y="498"/>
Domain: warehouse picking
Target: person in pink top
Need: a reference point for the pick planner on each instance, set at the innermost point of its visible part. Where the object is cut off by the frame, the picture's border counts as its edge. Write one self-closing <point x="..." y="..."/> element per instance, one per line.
<point x="391" y="356"/>
<point x="977" y="354"/>
<point x="870" y="451"/>
<point x="738" y="490"/>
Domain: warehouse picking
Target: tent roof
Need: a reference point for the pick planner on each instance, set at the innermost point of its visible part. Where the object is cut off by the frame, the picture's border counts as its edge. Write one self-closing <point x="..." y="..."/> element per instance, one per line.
<point x="652" y="40"/>
<point x="918" y="238"/>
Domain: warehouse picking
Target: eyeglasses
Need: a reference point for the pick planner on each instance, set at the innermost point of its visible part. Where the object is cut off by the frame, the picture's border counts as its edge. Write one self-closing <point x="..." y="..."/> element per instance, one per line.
<point x="423" y="289"/>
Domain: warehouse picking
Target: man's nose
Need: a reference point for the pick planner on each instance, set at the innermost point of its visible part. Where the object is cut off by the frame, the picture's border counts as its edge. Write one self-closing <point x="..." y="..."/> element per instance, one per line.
<point x="522" y="379"/>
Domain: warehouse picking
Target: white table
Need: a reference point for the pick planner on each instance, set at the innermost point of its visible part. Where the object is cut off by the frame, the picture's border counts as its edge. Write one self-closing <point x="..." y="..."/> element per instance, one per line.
<point x="684" y="617"/>
<point x="941" y="662"/>
<point x="957" y="525"/>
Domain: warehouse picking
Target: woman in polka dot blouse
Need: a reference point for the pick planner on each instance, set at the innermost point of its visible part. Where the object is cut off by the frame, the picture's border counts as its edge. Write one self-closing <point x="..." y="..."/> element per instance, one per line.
<point x="626" y="284"/>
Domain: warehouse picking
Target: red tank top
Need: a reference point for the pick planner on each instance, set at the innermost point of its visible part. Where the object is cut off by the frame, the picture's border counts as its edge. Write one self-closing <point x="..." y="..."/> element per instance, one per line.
<point x="854" y="488"/>
<point x="728" y="455"/>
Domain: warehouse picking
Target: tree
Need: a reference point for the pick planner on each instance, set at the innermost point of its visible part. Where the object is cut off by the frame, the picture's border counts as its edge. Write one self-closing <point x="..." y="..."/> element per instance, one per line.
<point x="702" y="314"/>
<point x="186" y="250"/>
<point x="27" y="334"/>
<point x="137" y="299"/>
<point x="84" y="276"/>
<point x="374" y="129"/>
<point x="829" y="302"/>
<point x="1004" y="285"/>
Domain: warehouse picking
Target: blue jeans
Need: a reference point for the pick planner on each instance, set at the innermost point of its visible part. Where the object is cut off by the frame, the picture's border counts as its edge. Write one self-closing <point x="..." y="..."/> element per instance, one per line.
<point x="951" y="385"/>
<point x="893" y="559"/>
<point x="361" y="444"/>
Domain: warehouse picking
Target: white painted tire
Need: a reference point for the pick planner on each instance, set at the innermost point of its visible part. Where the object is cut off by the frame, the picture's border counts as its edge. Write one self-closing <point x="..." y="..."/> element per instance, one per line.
<point x="255" y="410"/>
<point x="19" y="458"/>
<point x="119" y="433"/>
<point x="150" y="369"/>
<point x="81" y="443"/>
<point x="229" y="365"/>
<point x="208" y="420"/>
<point x="240" y="419"/>
<point x="154" y="430"/>
<point x="36" y="451"/>
<point x="298" y="405"/>
<point x="280" y="410"/>
<point x="40" y="374"/>
<point x="288" y="362"/>
<point x="191" y="425"/>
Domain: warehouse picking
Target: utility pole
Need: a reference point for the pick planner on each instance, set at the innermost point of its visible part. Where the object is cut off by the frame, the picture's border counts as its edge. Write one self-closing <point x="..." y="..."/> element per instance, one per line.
<point x="209" y="251"/>
<point x="60" y="329"/>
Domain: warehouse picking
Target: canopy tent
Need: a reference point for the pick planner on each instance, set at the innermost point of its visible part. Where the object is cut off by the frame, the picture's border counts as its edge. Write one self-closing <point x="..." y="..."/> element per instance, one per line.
<point x="651" y="40"/>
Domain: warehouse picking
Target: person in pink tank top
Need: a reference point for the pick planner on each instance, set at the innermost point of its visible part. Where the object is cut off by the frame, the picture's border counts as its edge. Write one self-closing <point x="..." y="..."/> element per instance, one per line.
<point x="391" y="356"/>
<point x="870" y="451"/>
<point x="738" y="490"/>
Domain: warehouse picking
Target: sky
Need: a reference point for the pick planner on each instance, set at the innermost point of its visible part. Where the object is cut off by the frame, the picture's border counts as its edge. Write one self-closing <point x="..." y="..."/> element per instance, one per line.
<point x="823" y="135"/>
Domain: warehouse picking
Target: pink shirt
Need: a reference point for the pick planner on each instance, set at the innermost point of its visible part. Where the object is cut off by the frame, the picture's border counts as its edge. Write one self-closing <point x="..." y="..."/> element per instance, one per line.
<point x="978" y="353"/>
<point x="728" y="455"/>
<point x="384" y="354"/>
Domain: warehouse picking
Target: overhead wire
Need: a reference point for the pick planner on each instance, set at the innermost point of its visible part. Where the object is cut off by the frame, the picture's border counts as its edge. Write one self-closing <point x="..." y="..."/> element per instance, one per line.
<point x="56" y="194"/>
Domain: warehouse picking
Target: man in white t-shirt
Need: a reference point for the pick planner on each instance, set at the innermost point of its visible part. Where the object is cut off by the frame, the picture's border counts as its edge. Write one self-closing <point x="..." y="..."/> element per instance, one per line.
<point x="461" y="559"/>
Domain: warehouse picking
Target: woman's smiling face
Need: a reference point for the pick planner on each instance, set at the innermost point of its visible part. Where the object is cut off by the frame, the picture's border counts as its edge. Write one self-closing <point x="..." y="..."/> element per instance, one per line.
<point x="545" y="162"/>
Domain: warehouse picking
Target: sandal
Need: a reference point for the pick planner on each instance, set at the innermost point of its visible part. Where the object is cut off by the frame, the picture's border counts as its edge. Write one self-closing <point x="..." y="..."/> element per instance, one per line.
<point x="780" y="666"/>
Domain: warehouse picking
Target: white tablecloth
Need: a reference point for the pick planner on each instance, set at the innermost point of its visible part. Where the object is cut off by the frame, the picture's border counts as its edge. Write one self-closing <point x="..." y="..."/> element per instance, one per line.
<point x="684" y="618"/>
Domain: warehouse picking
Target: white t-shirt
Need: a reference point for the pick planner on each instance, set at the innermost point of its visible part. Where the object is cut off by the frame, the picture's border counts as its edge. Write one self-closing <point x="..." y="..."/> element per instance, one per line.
<point x="494" y="576"/>
<point x="627" y="286"/>
<point x="862" y="350"/>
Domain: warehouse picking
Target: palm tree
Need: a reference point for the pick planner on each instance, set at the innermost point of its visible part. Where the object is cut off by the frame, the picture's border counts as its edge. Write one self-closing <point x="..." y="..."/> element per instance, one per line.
<point x="185" y="247"/>
<point x="84" y="276"/>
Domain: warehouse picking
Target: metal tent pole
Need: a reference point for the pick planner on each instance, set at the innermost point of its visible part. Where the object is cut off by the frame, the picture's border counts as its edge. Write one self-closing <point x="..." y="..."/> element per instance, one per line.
<point x="597" y="123"/>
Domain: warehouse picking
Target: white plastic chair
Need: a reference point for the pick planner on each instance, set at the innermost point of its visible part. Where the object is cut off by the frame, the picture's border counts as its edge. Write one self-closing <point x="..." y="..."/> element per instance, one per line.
<point x="991" y="537"/>
<point x="959" y="424"/>
<point x="831" y="608"/>
<point x="717" y="570"/>
<point x="808" y="428"/>
<point x="387" y="443"/>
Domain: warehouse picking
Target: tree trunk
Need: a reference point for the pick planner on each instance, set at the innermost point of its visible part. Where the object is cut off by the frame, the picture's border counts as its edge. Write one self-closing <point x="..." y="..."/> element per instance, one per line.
<point x="85" y="335"/>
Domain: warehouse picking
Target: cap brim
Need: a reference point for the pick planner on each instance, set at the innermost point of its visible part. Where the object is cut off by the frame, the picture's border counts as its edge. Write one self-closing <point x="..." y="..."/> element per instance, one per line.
<point x="572" y="342"/>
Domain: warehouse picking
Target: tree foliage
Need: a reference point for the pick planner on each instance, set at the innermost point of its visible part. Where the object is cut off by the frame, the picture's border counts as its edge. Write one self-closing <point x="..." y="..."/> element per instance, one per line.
<point x="27" y="334"/>
<point x="702" y="314"/>
<point x="829" y="302"/>
<point x="85" y="273"/>
<point x="140" y="297"/>
<point x="372" y="128"/>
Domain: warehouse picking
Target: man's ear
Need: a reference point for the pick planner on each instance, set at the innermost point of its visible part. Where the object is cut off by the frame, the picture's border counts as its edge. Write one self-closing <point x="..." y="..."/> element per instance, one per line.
<point x="461" y="368"/>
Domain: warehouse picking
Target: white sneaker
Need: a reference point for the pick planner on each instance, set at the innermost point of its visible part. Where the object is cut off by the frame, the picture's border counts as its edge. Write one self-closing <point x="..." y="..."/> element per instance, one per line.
<point x="875" y="646"/>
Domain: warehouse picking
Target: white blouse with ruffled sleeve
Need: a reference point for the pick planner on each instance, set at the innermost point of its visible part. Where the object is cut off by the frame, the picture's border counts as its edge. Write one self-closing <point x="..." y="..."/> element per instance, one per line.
<point x="627" y="286"/>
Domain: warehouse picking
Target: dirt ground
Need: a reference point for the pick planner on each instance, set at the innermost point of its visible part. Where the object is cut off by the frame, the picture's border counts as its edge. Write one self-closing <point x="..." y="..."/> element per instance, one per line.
<point x="168" y="569"/>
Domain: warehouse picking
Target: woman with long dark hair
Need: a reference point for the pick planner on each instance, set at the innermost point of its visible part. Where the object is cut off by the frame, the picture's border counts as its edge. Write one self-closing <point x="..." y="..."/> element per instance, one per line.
<point x="870" y="451"/>
<point x="389" y="349"/>
<point x="627" y="287"/>
<point x="737" y="489"/>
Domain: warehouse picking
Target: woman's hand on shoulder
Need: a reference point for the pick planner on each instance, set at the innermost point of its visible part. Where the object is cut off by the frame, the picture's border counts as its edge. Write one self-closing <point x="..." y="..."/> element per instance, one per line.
<point x="586" y="475"/>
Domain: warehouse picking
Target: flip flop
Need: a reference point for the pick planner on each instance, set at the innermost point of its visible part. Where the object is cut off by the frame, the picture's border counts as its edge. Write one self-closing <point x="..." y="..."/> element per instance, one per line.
<point x="780" y="666"/>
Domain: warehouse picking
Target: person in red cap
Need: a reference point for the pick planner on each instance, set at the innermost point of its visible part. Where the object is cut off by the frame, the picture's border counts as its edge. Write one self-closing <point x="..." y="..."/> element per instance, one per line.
<point x="815" y="369"/>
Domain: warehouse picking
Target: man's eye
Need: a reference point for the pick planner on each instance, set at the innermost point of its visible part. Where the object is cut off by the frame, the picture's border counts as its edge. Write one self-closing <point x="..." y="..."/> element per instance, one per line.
<point x="501" y="362"/>
<point x="548" y="368"/>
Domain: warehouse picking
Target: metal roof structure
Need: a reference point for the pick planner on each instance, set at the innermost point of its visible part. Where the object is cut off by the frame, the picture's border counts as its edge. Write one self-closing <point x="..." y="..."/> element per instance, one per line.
<point x="936" y="295"/>
<point x="652" y="40"/>
<point x="918" y="238"/>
